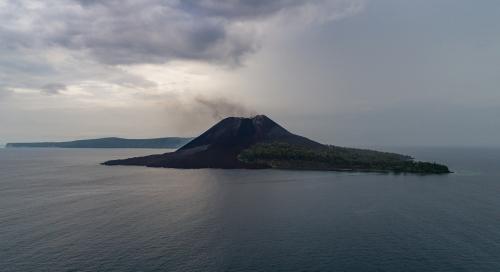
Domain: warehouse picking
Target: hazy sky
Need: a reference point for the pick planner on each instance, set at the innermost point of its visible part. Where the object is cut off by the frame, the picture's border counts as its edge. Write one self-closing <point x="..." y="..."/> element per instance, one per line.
<point x="346" y="72"/>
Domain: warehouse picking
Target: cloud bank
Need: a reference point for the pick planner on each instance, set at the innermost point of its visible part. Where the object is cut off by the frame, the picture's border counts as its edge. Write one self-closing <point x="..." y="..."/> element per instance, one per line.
<point x="62" y="55"/>
<point x="123" y="32"/>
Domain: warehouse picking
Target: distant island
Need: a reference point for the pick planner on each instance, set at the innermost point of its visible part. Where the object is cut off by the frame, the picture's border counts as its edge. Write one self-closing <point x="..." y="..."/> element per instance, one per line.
<point x="259" y="142"/>
<point x="111" y="142"/>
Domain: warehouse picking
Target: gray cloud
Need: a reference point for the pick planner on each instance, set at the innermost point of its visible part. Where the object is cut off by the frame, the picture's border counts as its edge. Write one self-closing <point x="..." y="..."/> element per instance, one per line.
<point x="53" y="88"/>
<point x="4" y="93"/>
<point x="238" y="9"/>
<point x="118" y="32"/>
<point x="385" y="77"/>
<point x="73" y="41"/>
<point x="151" y="31"/>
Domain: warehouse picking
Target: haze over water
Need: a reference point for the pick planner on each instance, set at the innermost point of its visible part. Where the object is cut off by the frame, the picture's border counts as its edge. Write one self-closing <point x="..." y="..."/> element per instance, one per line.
<point x="62" y="211"/>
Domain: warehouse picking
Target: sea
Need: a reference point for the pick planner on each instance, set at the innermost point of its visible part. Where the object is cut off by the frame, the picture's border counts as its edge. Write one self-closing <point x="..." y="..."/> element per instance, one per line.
<point x="60" y="210"/>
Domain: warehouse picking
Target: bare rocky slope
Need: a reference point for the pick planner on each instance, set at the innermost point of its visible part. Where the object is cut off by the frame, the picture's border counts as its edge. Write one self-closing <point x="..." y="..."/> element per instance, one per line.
<point x="259" y="142"/>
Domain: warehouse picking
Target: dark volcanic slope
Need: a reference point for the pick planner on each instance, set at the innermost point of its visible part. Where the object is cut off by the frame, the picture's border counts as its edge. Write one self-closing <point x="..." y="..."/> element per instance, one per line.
<point x="259" y="142"/>
<point x="219" y="146"/>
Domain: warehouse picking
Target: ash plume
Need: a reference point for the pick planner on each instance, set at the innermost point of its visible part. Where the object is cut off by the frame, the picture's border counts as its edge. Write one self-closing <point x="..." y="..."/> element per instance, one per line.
<point x="220" y="108"/>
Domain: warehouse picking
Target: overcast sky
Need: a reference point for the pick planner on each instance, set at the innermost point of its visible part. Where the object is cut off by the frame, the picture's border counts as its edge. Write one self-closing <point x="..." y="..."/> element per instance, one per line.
<point x="345" y="72"/>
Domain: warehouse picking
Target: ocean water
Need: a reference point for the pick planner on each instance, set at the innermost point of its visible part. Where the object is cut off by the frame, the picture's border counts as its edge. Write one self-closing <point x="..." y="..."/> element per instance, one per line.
<point x="62" y="211"/>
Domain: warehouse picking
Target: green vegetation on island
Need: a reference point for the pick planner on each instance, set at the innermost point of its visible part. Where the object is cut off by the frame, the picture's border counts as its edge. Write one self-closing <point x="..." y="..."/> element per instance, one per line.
<point x="259" y="142"/>
<point x="286" y="156"/>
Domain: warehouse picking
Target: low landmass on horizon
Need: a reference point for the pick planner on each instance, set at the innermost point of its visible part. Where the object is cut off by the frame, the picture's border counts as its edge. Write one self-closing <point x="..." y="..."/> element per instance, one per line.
<point x="110" y="142"/>
<point x="259" y="142"/>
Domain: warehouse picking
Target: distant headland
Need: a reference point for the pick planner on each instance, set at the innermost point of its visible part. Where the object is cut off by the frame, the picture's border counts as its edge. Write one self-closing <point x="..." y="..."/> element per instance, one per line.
<point x="111" y="142"/>
<point x="259" y="142"/>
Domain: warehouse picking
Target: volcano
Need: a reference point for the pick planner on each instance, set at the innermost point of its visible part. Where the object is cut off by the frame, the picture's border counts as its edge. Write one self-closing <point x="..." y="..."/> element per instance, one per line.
<point x="220" y="146"/>
<point x="259" y="142"/>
